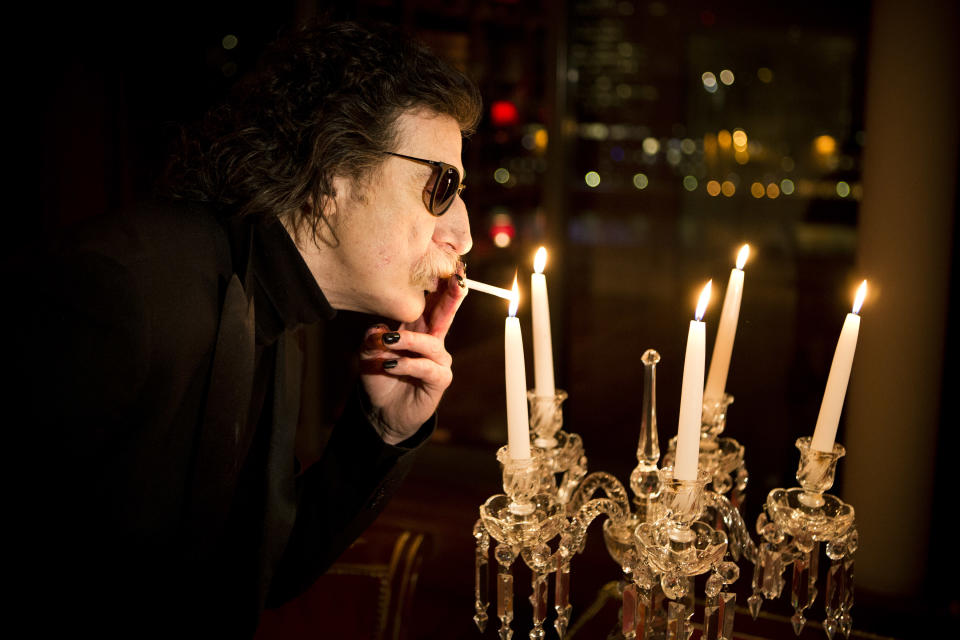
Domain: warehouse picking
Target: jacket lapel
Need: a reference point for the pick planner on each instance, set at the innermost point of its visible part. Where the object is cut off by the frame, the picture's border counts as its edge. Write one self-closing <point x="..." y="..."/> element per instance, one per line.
<point x="224" y="433"/>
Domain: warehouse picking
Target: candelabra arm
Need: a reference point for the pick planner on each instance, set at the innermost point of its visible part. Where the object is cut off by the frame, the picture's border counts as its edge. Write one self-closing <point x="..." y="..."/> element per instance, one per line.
<point x="576" y="530"/>
<point x="599" y="481"/>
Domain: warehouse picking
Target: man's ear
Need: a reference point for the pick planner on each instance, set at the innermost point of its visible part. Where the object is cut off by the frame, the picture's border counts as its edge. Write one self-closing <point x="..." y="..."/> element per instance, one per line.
<point x="324" y="219"/>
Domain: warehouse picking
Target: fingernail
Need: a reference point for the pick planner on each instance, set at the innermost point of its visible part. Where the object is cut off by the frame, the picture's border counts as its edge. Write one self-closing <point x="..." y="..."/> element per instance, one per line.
<point x="460" y="280"/>
<point x="391" y="337"/>
<point x="389" y="364"/>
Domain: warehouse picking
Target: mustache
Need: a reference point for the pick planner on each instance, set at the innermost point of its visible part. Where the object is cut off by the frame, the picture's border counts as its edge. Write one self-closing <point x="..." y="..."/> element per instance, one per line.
<point x="436" y="264"/>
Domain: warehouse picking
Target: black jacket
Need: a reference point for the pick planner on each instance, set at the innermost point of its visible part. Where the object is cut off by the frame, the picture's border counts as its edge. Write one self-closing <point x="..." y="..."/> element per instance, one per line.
<point x="160" y="375"/>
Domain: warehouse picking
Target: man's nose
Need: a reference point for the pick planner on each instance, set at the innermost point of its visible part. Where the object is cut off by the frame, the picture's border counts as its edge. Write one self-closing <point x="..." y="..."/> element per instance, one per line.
<point x="453" y="228"/>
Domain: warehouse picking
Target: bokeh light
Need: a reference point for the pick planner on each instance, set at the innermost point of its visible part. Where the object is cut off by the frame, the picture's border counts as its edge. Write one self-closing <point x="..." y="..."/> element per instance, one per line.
<point x="739" y="139"/>
<point x="825" y="144"/>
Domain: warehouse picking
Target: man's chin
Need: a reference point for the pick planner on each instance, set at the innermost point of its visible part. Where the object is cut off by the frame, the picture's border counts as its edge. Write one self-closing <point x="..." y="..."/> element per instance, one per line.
<point x="410" y="308"/>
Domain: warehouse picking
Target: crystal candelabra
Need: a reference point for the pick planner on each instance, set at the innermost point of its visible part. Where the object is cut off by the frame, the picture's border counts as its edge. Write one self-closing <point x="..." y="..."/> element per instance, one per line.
<point x="676" y="530"/>
<point x="793" y="525"/>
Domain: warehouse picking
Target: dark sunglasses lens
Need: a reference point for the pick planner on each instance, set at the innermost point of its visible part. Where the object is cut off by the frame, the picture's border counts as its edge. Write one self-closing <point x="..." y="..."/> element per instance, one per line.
<point x="446" y="190"/>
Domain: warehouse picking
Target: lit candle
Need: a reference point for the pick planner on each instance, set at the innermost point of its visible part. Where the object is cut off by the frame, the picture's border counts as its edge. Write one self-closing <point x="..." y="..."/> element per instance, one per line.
<point x="829" y="418"/>
<point x="726" y="332"/>
<point x="542" y="344"/>
<point x="691" y="395"/>
<point x="518" y="421"/>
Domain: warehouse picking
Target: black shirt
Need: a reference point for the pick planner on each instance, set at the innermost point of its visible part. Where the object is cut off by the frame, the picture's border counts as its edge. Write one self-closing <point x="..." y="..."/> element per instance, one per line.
<point x="160" y="491"/>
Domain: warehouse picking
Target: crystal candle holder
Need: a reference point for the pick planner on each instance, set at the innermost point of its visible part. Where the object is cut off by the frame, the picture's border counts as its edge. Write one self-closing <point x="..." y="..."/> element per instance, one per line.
<point x="556" y="451"/>
<point x="805" y="511"/>
<point x="714" y="417"/>
<point x="722" y="457"/>
<point x="794" y="524"/>
<point x="682" y="500"/>
<point x="678" y="547"/>
<point x="521" y="481"/>
<point x="546" y="417"/>
<point x="521" y="520"/>
<point x="817" y="469"/>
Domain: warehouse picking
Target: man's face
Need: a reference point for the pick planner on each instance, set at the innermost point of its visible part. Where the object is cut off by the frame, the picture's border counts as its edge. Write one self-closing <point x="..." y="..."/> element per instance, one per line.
<point x="392" y="250"/>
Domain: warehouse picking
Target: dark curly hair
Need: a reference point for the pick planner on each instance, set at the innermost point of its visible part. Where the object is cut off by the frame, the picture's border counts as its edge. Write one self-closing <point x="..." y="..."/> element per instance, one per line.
<point x="323" y="103"/>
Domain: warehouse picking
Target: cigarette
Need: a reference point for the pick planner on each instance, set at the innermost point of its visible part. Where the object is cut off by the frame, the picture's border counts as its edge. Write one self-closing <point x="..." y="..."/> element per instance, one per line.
<point x="506" y="294"/>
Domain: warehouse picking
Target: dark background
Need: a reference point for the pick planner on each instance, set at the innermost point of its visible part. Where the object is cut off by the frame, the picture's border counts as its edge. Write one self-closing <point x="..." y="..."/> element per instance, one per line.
<point x="98" y="94"/>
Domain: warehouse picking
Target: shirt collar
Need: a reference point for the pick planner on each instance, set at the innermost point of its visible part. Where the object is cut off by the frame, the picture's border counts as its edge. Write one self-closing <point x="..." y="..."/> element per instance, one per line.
<point x="285" y="293"/>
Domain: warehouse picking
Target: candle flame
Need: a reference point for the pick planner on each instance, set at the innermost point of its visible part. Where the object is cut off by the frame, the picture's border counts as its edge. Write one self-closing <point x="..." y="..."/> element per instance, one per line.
<point x="704" y="299"/>
<point x="861" y="294"/>
<point x="515" y="298"/>
<point x="743" y="255"/>
<point x="540" y="260"/>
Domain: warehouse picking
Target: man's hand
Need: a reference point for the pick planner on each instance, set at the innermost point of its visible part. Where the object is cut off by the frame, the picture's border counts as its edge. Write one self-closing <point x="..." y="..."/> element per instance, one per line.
<point x="405" y="372"/>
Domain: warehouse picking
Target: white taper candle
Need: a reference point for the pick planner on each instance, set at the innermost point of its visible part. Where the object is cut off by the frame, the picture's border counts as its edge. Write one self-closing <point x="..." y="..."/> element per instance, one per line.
<point x="726" y="332"/>
<point x="542" y="343"/>
<point x="829" y="418"/>
<point x="518" y="421"/>
<point x="691" y="395"/>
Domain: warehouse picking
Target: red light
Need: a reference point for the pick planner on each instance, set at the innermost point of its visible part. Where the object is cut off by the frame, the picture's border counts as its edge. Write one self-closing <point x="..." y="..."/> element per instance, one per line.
<point x="504" y="113"/>
<point x="502" y="223"/>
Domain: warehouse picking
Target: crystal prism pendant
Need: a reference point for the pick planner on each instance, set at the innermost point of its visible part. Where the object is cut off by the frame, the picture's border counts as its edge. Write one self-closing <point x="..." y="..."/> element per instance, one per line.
<point x="753" y="603"/>
<point x="538" y="598"/>
<point x="562" y="599"/>
<point x="710" y="611"/>
<point x="678" y="626"/>
<point x="725" y="615"/>
<point x="505" y="603"/>
<point x="628" y="615"/>
<point x="718" y="617"/>
<point x="644" y="613"/>
<point x="481" y="577"/>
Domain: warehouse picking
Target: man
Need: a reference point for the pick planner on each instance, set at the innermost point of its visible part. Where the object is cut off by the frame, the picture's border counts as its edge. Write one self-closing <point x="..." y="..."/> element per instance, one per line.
<point x="162" y="365"/>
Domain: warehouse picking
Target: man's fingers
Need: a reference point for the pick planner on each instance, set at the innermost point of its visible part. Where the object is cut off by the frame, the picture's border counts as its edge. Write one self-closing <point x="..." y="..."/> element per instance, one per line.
<point x="405" y="342"/>
<point x="373" y="341"/>
<point x="441" y="316"/>
<point x="427" y="371"/>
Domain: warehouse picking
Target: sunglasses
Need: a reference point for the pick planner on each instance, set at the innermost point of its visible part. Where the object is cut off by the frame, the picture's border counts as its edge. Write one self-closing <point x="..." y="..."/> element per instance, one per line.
<point x="446" y="184"/>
